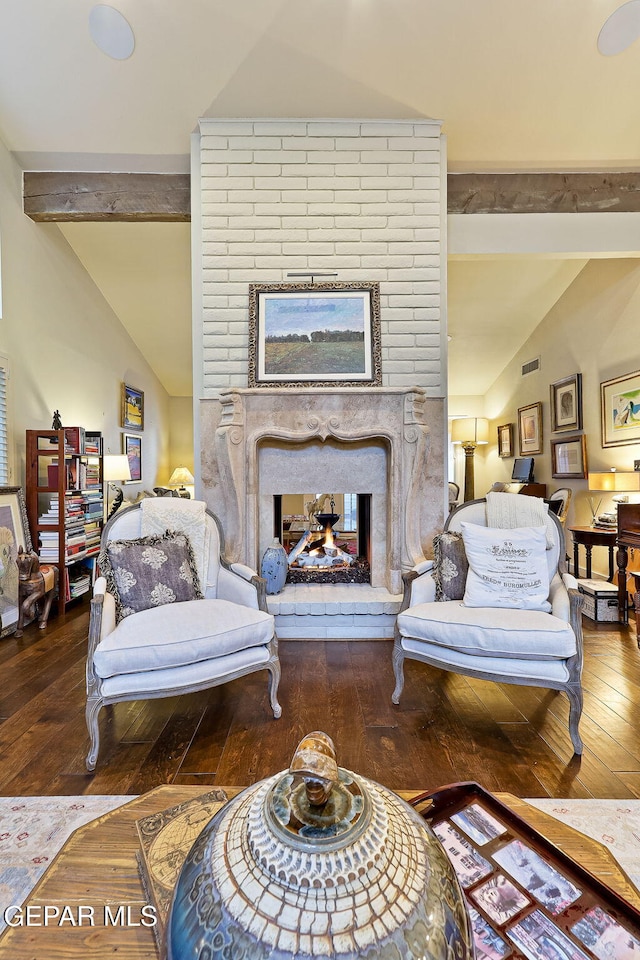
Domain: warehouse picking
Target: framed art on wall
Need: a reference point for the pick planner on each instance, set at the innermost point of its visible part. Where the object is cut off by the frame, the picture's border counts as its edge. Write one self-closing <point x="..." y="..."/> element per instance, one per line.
<point x="530" y="429"/>
<point x="322" y="334"/>
<point x="569" y="458"/>
<point x="566" y="404"/>
<point x="620" y="410"/>
<point x="14" y="533"/>
<point x="505" y="440"/>
<point x="132" y="408"/>
<point x="132" y="446"/>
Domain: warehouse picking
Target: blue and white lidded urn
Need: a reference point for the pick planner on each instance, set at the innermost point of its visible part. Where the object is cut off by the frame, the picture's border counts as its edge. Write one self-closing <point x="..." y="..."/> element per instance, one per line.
<point x="274" y="566"/>
<point x="318" y="862"/>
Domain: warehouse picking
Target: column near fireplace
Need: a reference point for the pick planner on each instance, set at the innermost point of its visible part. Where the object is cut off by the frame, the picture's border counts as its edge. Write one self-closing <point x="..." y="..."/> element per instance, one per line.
<point x="365" y="199"/>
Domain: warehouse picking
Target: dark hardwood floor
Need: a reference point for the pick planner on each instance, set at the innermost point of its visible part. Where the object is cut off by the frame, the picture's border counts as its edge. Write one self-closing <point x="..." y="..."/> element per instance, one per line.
<point x="447" y="728"/>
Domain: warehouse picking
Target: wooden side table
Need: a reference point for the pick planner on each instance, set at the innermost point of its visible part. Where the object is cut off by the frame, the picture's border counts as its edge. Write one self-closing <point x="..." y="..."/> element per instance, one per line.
<point x="590" y="537"/>
<point x="97" y="867"/>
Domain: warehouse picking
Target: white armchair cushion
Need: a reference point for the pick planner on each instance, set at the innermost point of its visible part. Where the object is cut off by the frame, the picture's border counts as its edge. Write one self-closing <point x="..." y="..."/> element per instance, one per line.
<point x="489" y="631"/>
<point x="181" y="633"/>
<point x="507" y="568"/>
<point x="189" y="677"/>
<point x="528" y="671"/>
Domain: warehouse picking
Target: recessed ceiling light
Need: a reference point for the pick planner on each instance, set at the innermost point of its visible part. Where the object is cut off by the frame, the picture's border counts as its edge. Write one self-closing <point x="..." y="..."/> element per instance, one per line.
<point x="621" y="29"/>
<point x="111" y="32"/>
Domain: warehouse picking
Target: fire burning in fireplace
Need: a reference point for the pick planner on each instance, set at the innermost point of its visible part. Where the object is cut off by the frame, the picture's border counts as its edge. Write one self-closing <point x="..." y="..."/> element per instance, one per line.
<point x="322" y="550"/>
<point x="320" y="553"/>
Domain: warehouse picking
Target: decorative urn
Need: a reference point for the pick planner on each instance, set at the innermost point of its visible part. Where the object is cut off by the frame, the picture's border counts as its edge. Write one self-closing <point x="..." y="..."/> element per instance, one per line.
<point x="274" y="567"/>
<point x="317" y="862"/>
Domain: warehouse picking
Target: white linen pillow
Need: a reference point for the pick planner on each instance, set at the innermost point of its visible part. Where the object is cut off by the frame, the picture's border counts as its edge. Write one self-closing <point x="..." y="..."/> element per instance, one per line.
<point x="507" y="568"/>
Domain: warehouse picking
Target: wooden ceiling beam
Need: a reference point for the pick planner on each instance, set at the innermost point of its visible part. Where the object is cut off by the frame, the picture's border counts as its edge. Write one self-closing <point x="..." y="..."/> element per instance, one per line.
<point x="543" y="192"/>
<point x="122" y="197"/>
<point x="166" y="197"/>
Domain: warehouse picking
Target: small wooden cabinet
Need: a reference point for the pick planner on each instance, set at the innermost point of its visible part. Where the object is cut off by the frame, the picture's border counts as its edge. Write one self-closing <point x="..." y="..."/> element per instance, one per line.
<point x="628" y="539"/>
<point x="65" y="504"/>
<point x="534" y="490"/>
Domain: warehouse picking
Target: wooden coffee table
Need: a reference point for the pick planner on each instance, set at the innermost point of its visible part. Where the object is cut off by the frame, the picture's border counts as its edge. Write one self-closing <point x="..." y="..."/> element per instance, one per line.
<point x="97" y="867"/>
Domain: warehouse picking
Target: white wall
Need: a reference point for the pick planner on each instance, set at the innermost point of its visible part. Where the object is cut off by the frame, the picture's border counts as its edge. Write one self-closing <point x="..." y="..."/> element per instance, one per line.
<point x="363" y="198"/>
<point x="593" y="330"/>
<point x="67" y="349"/>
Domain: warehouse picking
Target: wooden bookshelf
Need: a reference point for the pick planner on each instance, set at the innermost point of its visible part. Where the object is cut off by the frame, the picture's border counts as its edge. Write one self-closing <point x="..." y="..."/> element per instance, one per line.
<point x="65" y="504"/>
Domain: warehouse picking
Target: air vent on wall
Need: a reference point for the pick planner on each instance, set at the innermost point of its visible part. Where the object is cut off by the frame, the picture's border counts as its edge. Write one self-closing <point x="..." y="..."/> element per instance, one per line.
<point x="530" y="366"/>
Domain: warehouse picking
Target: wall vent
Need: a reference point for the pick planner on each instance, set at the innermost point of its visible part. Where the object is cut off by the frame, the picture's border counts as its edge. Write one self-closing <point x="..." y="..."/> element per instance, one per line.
<point x="530" y="366"/>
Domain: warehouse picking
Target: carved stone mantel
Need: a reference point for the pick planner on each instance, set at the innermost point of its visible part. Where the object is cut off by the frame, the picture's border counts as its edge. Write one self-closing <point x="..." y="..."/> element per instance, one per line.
<point x="404" y="428"/>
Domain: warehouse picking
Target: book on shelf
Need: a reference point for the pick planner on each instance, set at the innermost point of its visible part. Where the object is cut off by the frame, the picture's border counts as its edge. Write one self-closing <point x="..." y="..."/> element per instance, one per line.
<point x="93" y="443"/>
<point x="74" y="439"/>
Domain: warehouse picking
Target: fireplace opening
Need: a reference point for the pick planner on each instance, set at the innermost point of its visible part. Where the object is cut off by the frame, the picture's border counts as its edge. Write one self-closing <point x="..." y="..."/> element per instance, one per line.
<point x="327" y="536"/>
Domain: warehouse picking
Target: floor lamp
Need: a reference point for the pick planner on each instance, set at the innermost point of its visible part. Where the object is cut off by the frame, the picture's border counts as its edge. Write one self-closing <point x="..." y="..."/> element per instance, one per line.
<point x="470" y="432"/>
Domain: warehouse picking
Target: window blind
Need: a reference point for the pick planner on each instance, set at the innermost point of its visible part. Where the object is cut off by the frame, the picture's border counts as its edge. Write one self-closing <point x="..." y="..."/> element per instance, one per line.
<point x="4" y="429"/>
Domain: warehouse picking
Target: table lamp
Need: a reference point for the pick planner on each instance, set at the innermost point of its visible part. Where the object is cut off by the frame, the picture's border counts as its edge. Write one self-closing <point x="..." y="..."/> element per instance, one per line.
<point x="178" y="478"/>
<point x="115" y="466"/>
<point x="618" y="482"/>
<point x="470" y="432"/>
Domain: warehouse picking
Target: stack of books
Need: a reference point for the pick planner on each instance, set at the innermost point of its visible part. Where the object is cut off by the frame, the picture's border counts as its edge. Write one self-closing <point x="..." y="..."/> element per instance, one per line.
<point x="78" y="582"/>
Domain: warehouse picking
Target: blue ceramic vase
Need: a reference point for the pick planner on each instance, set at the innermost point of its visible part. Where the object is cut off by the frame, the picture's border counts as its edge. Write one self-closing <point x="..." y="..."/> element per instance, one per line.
<point x="274" y="567"/>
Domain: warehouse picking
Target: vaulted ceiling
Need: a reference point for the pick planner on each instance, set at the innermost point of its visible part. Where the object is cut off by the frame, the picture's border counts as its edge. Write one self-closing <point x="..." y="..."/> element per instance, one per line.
<point x="517" y="86"/>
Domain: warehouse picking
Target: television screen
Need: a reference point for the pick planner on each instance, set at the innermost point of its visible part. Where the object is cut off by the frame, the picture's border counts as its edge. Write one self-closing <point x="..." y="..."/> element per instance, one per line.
<point x="523" y="469"/>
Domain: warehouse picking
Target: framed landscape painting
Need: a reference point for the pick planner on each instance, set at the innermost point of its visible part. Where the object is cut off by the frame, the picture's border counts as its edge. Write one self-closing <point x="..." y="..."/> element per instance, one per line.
<point x="322" y="334"/>
<point x="620" y="410"/>
<point x="132" y="408"/>
<point x="14" y="533"/>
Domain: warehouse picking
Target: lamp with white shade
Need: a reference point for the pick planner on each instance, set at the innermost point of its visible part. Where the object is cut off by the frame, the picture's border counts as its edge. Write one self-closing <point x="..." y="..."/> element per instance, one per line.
<point x="470" y="432"/>
<point x="620" y="483"/>
<point x="115" y="466"/>
<point x="180" y="477"/>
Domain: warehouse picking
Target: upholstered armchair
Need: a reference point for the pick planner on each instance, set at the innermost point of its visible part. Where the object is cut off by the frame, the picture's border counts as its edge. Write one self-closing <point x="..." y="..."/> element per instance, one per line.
<point x="215" y="629"/>
<point x="530" y="647"/>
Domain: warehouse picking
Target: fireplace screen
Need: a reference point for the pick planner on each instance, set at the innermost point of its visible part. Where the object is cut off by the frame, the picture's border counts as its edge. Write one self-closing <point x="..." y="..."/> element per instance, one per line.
<point x="326" y="536"/>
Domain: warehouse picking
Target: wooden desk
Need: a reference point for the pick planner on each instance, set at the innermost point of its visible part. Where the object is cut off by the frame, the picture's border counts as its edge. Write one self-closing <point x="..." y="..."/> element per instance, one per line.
<point x="97" y="867"/>
<point x="628" y="539"/>
<point x="590" y="537"/>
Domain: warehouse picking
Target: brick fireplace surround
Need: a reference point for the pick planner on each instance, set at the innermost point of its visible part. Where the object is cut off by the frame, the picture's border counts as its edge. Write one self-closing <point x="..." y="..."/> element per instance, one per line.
<point x="364" y="199"/>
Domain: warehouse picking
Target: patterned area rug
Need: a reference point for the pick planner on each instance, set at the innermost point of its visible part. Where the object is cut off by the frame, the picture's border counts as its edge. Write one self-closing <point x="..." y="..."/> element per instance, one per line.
<point x="32" y="830"/>
<point x="614" y="823"/>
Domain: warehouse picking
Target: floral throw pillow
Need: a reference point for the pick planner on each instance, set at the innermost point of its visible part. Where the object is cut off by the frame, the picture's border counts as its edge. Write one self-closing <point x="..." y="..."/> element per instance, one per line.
<point x="450" y="566"/>
<point x="149" y="572"/>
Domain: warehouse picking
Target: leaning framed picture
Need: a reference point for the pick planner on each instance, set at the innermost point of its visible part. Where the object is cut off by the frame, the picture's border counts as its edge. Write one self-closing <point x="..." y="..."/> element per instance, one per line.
<point x="314" y="334"/>
<point x="566" y="404"/>
<point x="530" y="429"/>
<point x="569" y="458"/>
<point x="620" y="410"/>
<point x="14" y="533"/>
<point x="132" y="446"/>
<point x="132" y="408"/>
<point x="505" y="440"/>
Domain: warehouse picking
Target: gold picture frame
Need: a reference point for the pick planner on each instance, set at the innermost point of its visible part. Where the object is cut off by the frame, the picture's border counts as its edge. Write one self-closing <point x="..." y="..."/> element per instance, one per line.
<point x="505" y="440"/>
<point x="530" y="429"/>
<point x="132" y="409"/>
<point x="314" y="334"/>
